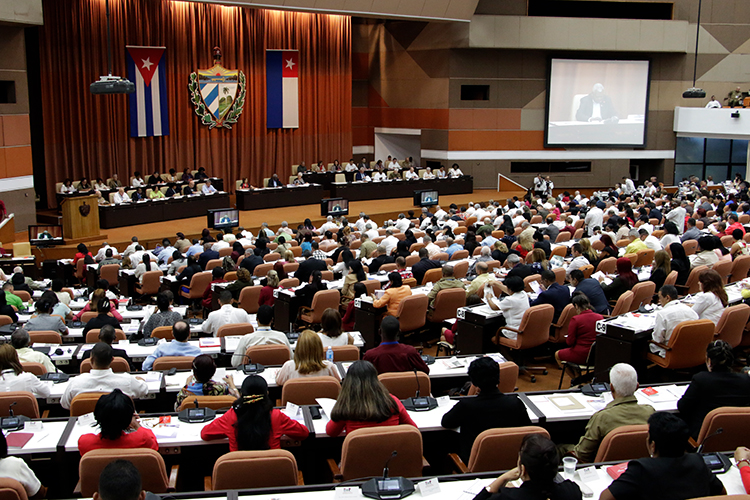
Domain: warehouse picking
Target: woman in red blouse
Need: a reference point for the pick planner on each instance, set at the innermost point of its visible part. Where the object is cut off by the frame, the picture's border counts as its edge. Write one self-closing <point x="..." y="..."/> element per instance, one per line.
<point x="252" y="423"/>
<point x="365" y="402"/>
<point x="581" y="332"/>
<point x="266" y="297"/>
<point x="119" y="425"/>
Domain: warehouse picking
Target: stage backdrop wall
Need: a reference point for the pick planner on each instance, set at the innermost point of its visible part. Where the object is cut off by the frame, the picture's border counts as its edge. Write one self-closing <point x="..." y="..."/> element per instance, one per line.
<point x="89" y="135"/>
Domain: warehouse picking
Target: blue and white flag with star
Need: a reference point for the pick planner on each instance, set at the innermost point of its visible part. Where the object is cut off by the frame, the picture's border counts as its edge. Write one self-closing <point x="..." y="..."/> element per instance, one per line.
<point x="149" y="106"/>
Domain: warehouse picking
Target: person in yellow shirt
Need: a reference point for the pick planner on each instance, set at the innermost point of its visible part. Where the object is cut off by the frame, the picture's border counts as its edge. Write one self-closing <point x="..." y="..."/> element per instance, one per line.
<point x="155" y="194"/>
<point x="635" y="242"/>
<point x="393" y="296"/>
<point x="483" y="276"/>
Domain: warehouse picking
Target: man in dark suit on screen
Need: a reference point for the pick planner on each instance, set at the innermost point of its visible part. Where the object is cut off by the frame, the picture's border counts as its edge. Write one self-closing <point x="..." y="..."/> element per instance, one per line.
<point x="596" y="107"/>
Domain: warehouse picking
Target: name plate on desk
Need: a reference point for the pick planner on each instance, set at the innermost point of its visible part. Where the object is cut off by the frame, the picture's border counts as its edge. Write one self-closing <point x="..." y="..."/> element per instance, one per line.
<point x="358" y="303"/>
<point x="276" y="293"/>
<point x="461" y="313"/>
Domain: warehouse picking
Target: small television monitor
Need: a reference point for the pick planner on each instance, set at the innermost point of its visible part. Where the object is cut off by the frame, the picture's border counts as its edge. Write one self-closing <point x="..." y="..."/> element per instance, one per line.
<point x="43" y="236"/>
<point x="426" y="197"/>
<point x="223" y="218"/>
<point x="334" y="206"/>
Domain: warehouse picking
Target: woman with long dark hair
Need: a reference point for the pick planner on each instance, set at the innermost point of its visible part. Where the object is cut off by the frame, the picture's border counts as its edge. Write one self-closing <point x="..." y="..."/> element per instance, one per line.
<point x="679" y="262"/>
<point x="365" y="402"/>
<point x="252" y="423"/>
<point x="711" y="302"/>
<point x="355" y="275"/>
<point x="624" y="281"/>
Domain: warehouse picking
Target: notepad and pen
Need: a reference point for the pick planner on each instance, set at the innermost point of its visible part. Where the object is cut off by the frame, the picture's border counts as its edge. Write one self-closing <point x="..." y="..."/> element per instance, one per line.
<point x="566" y="402"/>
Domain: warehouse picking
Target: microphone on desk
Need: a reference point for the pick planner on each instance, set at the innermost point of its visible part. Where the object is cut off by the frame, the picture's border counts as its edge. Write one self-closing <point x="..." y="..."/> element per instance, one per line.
<point x="10" y="409"/>
<point x="386" y="488"/>
<point x="418" y="403"/>
<point x="703" y="443"/>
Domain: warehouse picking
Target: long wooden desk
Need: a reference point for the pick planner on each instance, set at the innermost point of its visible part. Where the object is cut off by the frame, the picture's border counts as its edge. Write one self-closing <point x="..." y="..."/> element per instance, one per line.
<point x="356" y="191"/>
<point x="160" y="210"/>
<point x="286" y="196"/>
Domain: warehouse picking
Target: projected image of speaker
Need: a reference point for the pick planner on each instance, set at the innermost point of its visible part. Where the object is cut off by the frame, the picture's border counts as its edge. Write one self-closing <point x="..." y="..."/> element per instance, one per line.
<point x="595" y="103"/>
<point x="425" y="198"/>
<point x="334" y="207"/>
<point x="45" y="236"/>
<point x="223" y="218"/>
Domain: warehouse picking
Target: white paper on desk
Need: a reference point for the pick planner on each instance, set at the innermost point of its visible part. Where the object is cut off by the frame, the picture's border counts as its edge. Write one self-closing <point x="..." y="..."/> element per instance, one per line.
<point x="151" y="376"/>
<point x="453" y="362"/>
<point x="663" y="394"/>
<point x="535" y="287"/>
<point x="165" y="432"/>
<point x="326" y="404"/>
<point x="677" y="390"/>
<point x="473" y="489"/>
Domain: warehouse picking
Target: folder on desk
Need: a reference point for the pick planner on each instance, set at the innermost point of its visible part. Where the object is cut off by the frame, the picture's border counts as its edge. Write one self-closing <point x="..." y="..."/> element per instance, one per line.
<point x="18" y="439"/>
<point x="616" y="470"/>
<point x="566" y="402"/>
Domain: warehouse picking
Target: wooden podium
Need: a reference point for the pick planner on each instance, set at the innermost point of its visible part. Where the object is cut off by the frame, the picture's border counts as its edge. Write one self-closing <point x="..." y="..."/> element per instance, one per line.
<point x="80" y="219"/>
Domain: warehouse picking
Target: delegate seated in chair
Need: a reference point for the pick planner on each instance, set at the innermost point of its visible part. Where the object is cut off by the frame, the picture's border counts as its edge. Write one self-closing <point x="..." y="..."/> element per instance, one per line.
<point x="392" y="356"/>
<point x="672" y="314"/>
<point x="178" y="346"/>
<point x="490" y="409"/>
<point x="622" y="410"/>
<point x="17" y="469"/>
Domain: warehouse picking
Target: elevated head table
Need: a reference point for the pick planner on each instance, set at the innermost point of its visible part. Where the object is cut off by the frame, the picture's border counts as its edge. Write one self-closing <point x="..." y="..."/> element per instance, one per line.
<point x="145" y="212"/>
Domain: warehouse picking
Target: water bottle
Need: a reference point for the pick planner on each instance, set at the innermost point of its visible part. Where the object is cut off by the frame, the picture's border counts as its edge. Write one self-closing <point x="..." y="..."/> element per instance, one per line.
<point x="329" y="354"/>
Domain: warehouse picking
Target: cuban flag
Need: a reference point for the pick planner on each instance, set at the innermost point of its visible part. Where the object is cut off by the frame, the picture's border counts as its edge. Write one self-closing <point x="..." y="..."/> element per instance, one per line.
<point x="282" y="89"/>
<point x="148" y="104"/>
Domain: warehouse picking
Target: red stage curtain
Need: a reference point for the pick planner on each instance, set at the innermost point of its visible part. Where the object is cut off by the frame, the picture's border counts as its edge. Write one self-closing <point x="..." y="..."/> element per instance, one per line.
<point x="89" y="135"/>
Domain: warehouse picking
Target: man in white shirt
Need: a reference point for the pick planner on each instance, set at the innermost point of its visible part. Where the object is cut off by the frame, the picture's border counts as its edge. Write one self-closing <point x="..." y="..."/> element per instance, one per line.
<point x="263" y="335"/>
<point x="103" y="251"/>
<point x="379" y="176"/>
<point x="328" y="225"/>
<point x="428" y="174"/>
<point x="578" y="259"/>
<point x="539" y="185"/>
<point x="432" y="249"/>
<point x="137" y="256"/>
<point x="20" y="340"/>
<point x="360" y="224"/>
<point x="131" y="248"/>
<point x="713" y="103"/>
<point x="101" y="378"/>
<point x="402" y="224"/>
<point x="411" y="175"/>
<point x="628" y="187"/>
<point x="439" y="212"/>
<point x="394" y="165"/>
<point x="455" y="171"/>
<point x="120" y="197"/>
<point x="227" y="314"/>
<point x="652" y="242"/>
<point x="285" y="229"/>
<point x="208" y="188"/>
<point x="594" y="217"/>
<point x="390" y="241"/>
<point x="672" y="314"/>
<point x="549" y="186"/>
<point x="677" y="215"/>
<point x="351" y="166"/>
<point x="371" y="232"/>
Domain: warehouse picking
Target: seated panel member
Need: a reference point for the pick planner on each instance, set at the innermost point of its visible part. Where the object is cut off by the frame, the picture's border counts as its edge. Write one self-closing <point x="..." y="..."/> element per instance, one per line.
<point x="178" y="346"/>
<point x="392" y="356"/>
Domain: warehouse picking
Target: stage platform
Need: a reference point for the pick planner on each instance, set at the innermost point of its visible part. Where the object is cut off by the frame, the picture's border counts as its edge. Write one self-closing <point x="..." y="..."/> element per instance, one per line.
<point x="151" y="234"/>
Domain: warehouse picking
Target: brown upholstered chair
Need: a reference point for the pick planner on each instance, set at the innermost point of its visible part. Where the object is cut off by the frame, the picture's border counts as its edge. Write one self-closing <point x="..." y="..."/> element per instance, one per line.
<point x="508" y="378"/>
<point x="271" y="354"/>
<point x="432" y="275"/>
<point x="169" y="362"/>
<point x="235" y="329"/>
<point x="645" y="257"/>
<point x="671" y="278"/>
<point x="404" y="384"/>
<point x="162" y="332"/>
<point x="288" y="283"/>
<point x="25" y="404"/>
<point x="249" y="298"/>
<point x="559" y="275"/>
<point x="372" y="285"/>
<point x="388" y="268"/>
<point x="740" y="268"/>
<point x="690" y="246"/>
<point x="345" y="352"/>
<point x="365" y="451"/>
<point x="262" y="269"/>
<point x="732" y="323"/>
<point x="5" y="320"/>
<point x="23" y="295"/>
<point x="447" y="302"/>
<point x="148" y="462"/>
<point x="10" y="489"/>
<point x="643" y="292"/>
<point x="198" y="284"/>
<point x="304" y="390"/>
<point x="322" y="300"/>
<point x="624" y="443"/>
<point x="560" y="329"/>
<point x="213" y="402"/>
<point x="35" y="368"/>
<point x="692" y="285"/>
<point x="412" y="312"/>
<point x="92" y="336"/>
<point x="587" y="270"/>
<point x="561" y="250"/>
<point x="239" y="470"/>
<point x="111" y="273"/>
<point x="734" y="422"/>
<point x="528" y="279"/>
<point x="151" y="283"/>
<point x="460" y="269"/>
<point x="532" y="332"/>
<point x="460" y="254"/>
<point x="119" y="365"/>
<point x="84" y="402"/>
<point x="562" y="237"/>
<point x="622" y="305"/>
<point x="495" y="449"/>
<point x="724" y="268"/>
<point x="608" y="265"/>
<point x="45" y="337"/>
<point x="686" y="347"/>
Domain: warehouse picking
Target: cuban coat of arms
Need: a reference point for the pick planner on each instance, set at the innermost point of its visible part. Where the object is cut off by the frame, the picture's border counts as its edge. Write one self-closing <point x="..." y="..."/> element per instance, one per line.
<point x="217" y="93"/>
